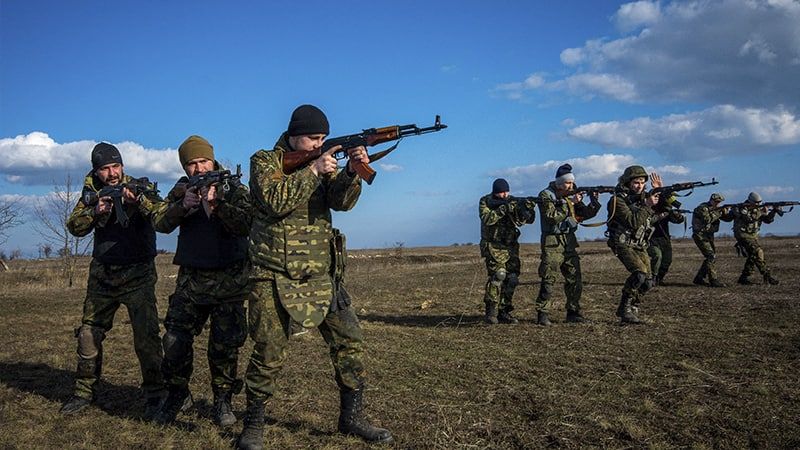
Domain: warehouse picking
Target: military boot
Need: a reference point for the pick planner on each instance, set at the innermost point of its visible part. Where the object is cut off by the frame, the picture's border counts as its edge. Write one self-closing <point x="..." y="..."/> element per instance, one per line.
<point x="575" y="317"/>
<point x="506" y="317"/>
<point x="352" y="420"/>
<point x="744" y="280"/>
<point x="222" y="412"/>
<point x="176" y="397"/>
<point x="542" y="319"/>
<point x="716" y="283"/>
<point x="698" y="280"/>
<point x="152" y="405"/>
<point x="252" y="437"/>
<point x="491" y="313"/>
<point x="75" y="404"/>
<point x="626" y="313"/>
<point x="768" y="279"/>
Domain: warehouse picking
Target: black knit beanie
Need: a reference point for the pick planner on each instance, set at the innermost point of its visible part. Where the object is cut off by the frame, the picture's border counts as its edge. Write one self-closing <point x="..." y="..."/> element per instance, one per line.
<point x="105" y="153"/>
<point x="500" y="185"/>
<point x="308" y="119"/>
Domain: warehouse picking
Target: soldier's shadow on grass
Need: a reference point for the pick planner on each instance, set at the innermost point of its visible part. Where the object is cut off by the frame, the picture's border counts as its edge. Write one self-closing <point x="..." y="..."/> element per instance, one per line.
<point x="56" y="385"/>
<point x="431" y="321"/>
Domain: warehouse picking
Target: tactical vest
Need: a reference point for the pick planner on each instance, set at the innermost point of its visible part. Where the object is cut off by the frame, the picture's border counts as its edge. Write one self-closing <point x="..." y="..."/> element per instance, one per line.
<point x="747" y="223"/>
<point x="619" y="234"/>
<point x="116" y="245"/>
<point x="204" y="243"/>
<point x="566" y="207"/>
<point x="504" y="232"/>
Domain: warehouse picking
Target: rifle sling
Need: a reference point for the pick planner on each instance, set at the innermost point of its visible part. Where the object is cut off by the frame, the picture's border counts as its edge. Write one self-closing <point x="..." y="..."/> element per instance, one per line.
<point x="600" y="224"/>
<point x="376" y="156"/>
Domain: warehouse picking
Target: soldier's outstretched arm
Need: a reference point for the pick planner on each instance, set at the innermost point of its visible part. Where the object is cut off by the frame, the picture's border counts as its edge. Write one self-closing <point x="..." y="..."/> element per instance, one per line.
<point x="169" y="213"/>
<point x="277" y="193"/>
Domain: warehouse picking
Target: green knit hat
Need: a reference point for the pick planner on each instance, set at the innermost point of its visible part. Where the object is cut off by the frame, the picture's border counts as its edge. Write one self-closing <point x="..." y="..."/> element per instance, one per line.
<point x="195" y="147"/>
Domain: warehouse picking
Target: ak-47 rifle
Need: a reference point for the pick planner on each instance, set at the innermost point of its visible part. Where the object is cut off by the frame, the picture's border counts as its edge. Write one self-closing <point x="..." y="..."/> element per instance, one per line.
<point x="522" y="202"/>
<point x="137" y="186"/>
<point x="592" y="190"/>
<point x="368" y="138"/>
<point x="677" y="187"/>
<point x="767" y="205"/>
<point x="221" y="177"/>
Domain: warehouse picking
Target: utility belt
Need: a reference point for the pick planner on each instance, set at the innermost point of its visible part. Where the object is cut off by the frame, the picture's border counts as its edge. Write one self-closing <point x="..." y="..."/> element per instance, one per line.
<point x="341" y="299"/>
<point x="637" y="239"/>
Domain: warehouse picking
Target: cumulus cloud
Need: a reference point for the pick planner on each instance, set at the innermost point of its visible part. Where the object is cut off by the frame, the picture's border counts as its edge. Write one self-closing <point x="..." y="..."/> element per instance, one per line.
<point x="769" y="193"/>
<point x="712" y="132"/>
<point x="739" y="52"/>
<point x="390" y="167"/>
<point x="37" y="159"/>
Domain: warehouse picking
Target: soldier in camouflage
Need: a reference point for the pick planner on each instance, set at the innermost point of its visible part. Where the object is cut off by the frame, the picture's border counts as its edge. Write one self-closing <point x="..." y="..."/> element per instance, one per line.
<point x="660" y="246"/>
<point x="705" y="222"/>
<point x="559" y="215"/>
<point x="122" y="272"/>
<point x="747" y="220"/>
<point x="631" y="219"/>
<point x="212" y="282"/>
<point x="297" y="267"/>
<point x="501" y="218"/>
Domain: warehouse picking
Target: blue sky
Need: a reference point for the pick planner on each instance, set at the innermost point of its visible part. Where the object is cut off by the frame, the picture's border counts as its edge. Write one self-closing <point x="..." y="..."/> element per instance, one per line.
<point x="691" y="89"/>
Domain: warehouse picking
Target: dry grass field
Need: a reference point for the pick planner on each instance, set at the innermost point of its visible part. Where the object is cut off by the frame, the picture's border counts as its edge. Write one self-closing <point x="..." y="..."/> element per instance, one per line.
<point x="712" y="368"/>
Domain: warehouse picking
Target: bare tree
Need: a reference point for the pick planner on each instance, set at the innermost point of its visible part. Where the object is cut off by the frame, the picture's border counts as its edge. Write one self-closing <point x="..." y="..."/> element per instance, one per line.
<point x="10" y="216"/>
<point x="52" y="214"/>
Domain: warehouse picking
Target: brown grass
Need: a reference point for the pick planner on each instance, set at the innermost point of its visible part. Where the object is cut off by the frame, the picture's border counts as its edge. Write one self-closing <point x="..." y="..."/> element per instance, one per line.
<point x="711" y="369"/>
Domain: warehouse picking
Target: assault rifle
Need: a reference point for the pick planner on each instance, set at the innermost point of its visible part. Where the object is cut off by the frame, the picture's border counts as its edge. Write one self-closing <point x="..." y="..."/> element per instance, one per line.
<point x="368" y="138"/>
<point x="223" y="177"/>
<point x="521" y="202"/>
<point x="690" y="185"/>
<point x="773" y="205"/>
<point x="592" y="190"/>
<point x="137" y="186"/>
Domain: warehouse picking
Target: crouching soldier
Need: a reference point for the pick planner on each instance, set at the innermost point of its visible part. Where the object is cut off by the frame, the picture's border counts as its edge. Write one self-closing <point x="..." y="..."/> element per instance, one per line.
<point x="630" y="223"/>
<point x="559" y="245"/>
<point x="660" y="246"/>
<point x="705" y="222"/>
<point x="747" y="220"/>
<point x="501" y="218"/>
<point x="214" y="220"/>
<point x="122" y="272"/>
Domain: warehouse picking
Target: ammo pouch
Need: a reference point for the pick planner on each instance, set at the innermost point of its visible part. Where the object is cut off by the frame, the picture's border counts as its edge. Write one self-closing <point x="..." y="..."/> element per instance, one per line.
<point x="341" y="299"/>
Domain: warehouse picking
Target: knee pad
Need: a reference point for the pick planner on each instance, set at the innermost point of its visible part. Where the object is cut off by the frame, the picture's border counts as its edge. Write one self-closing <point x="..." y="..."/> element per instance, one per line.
<point x="513" y="281"/>
<point x="176" y="344"/>
<point x="89" y="341"/>
<point x="638" y="279"/>
<point x="499" y="277"/>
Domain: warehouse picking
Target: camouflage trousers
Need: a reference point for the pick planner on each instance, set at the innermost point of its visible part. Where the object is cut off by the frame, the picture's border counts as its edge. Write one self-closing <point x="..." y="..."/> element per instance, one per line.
<point x="503" y="267"/>
<point x="705" y="242"/>
<point x="110" y="286"/>
<point x="660" y="252"/>
<point x="185" y="320"/>
<point x="637" y="262"/>
<point x="558" y="257"/>
<point x="755" y="257"/>
<point x="270" y="328"/>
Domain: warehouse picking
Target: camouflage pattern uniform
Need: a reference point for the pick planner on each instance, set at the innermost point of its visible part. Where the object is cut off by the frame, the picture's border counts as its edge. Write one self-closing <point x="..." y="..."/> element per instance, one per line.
<point x="660" y="246"/>
<point x="705" y="222"/>
<point x="629" y="227"/>
<point x="295" y="271"/>
<point x="500" y="222"/>
<point x="122" y="272"/>
<point x="559" y="246"/>
<point x="213" y="281"/>
<point x="746" y="226"/>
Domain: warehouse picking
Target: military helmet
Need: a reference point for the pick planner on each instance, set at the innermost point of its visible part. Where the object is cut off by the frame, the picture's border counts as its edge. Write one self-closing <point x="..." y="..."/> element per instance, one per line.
<point x="754" y="198"/>
<point x="632" y="172"/>
<point x="717" y="197"/>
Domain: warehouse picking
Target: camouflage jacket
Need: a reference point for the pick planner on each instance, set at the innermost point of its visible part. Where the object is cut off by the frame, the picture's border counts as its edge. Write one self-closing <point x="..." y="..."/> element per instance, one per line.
<point x="554" y="217"/>
<point x="747" y="221"/>
<point x="630" y="220"/>
<point x="140" y="235"/>
<point x="501" y="219"/>
<point x="706" y="218"/>
<point x="291" y="231"/>
<point x="661" y="227"/>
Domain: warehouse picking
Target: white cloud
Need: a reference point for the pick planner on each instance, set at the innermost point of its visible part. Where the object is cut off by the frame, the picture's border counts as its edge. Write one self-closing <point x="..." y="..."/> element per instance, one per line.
<point x="770" y="193"/>
<point x="636" y="14"/>
<point x="514" y="91"/>
<point x="709" y="133"/>
<point x="738" y="52"/>
<point x="37" y="159"/>
<point x="390" y="167"/>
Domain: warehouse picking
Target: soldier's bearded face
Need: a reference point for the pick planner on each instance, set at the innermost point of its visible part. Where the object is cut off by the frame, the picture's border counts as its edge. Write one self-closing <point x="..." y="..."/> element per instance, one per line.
<point x="637" y="185"/>
<point x="307" y="142"/>
<point x="110" y="174"/>
<point x="198" y="166"/>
